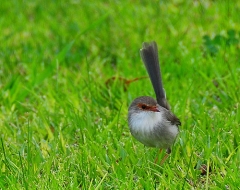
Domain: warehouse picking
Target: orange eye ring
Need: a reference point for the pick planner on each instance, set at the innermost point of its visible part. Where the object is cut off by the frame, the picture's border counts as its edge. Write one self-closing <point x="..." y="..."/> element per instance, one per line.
<point x="143" y="106"/>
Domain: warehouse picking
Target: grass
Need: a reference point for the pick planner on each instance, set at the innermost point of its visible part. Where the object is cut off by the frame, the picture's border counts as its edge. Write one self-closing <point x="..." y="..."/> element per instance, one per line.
<point x="63" y="126"/>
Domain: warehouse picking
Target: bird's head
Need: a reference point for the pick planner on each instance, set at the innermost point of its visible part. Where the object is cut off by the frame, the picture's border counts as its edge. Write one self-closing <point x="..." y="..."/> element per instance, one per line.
<point x="144" y="104"/>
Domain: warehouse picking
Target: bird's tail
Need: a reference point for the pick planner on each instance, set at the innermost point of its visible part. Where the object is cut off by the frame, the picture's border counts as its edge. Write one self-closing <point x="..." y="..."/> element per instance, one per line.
<point x="149" y="55"/>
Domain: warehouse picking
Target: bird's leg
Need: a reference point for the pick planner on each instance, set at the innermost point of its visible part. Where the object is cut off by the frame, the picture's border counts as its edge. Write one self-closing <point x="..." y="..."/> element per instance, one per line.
<point x="156" y="159"/>
<point x="166" y="156"/>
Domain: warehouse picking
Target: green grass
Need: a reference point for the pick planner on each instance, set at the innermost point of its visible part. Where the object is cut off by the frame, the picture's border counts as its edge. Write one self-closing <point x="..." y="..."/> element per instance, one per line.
<point x="63" y="127"/>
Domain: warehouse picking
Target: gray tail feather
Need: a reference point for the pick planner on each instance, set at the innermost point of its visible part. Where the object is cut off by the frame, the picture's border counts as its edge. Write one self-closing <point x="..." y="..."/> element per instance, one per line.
<point x="149" y="54"/>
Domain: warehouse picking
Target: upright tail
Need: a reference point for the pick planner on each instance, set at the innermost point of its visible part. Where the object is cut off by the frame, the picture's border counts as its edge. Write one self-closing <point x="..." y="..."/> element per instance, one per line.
<point x="149" y="54"/>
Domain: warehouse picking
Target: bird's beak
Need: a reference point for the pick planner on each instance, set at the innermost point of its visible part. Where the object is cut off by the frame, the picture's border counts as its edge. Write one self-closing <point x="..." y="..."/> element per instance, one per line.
<point x="154" y="109"/>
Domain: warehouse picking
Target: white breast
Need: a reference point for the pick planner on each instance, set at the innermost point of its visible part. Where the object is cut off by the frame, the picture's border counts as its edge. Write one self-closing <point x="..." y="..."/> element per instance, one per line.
<point x="152" y="129"/>
<point x="145" y="121"/>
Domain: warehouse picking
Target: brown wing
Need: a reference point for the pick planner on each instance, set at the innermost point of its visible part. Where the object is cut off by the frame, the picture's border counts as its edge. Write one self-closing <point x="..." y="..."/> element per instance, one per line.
<point x="173" y="119"/>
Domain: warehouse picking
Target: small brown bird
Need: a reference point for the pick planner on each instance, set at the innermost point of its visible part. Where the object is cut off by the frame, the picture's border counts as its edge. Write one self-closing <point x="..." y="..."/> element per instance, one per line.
<point x="151" y="122"/>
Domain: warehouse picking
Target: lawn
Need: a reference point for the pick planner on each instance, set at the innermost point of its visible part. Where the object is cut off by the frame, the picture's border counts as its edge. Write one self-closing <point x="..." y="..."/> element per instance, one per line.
<point x="70" y="69"/>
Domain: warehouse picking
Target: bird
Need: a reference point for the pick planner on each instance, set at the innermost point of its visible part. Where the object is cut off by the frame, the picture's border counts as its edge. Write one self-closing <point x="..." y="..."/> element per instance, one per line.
<point x="151" y="121"/>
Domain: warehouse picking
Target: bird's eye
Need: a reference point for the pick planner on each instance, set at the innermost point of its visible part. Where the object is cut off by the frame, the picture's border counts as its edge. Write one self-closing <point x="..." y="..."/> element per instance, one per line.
<point x="144" y="106"/>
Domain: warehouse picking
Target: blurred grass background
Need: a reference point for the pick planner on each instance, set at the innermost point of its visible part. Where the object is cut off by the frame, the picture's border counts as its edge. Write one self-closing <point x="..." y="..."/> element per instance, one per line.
<point x="63" y="118"/>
